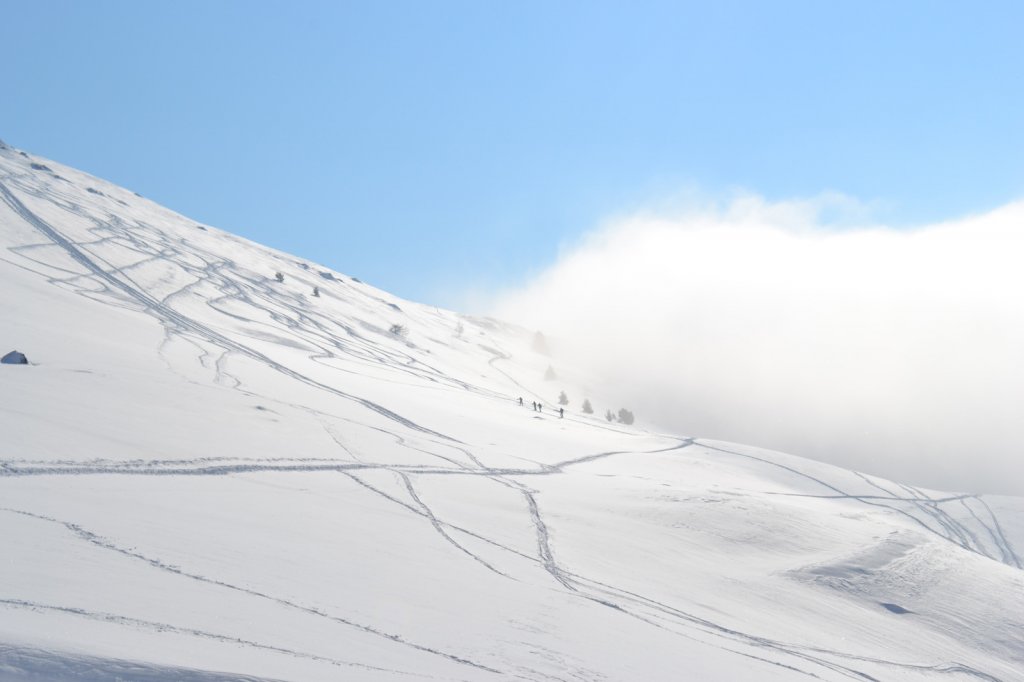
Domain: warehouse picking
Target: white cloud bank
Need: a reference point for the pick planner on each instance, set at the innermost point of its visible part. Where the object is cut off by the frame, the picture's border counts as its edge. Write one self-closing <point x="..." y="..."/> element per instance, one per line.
<point x="899" y="352"/>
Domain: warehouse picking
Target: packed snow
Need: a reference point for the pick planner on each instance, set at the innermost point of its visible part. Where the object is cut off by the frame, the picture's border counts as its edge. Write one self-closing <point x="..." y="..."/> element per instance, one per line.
<point x="207" y="472"/>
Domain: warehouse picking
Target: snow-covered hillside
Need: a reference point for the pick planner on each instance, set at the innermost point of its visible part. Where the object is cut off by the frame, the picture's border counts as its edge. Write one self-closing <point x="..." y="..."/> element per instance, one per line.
<point x="210" y="474"/>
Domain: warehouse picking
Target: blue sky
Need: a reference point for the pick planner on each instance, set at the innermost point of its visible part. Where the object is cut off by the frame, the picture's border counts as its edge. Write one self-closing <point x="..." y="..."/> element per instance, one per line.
<point x="434" y="147"/>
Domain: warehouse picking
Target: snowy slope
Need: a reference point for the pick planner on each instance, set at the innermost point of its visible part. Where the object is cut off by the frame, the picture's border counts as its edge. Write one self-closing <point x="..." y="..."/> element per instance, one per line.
<point x="207" y="474"/>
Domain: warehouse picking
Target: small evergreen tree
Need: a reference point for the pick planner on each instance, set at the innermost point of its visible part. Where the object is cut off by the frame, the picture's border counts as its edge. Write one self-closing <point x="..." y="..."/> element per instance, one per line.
<point x="587" y="407"/>
<point x="563" y="399"/>
<point x="625" y="416"/>
<point x="398" y="330"/>
<point x="609" y="416"/>
<point x="550" y="374"/>
<point x="540" y="344"/>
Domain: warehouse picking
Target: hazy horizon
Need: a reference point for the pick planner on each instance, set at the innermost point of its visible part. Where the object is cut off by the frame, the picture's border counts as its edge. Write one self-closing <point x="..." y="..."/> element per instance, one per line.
<point x="792" y="326"/>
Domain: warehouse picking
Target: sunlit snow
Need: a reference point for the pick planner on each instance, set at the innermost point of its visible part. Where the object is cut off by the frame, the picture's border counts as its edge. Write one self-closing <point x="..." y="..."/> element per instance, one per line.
<point x="210" y="474"/>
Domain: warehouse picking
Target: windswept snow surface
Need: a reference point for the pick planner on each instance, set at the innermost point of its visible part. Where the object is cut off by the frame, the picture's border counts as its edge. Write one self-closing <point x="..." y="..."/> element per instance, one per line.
<point x="207" y="474"/>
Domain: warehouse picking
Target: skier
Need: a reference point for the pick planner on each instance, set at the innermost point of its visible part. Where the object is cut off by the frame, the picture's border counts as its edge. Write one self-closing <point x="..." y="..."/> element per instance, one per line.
<point x="534" y="405"/>
<point x="561" y="412"/>
<point x="520" y="401"/>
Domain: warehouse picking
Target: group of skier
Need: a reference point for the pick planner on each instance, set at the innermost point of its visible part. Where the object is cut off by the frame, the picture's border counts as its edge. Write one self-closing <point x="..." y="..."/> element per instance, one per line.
<point x="538" y="407"/>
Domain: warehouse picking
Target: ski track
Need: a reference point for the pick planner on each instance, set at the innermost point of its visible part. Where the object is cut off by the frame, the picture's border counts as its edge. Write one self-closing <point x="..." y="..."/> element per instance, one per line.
<point x="420" y="512"/>
<point x="27" y="663"/>
<point x="203" y="466"/>
<point x="608" y="596"/>
<point x="182" y="323"/>
<point x="439" y="527"/>
<point x="103" y="543"/>
<point x="263" y="298"/>
<point x="998" y="532"/>
<point x="166" y="627"/>
<point x="573" y="583"/>
<point x="955" y="531"/>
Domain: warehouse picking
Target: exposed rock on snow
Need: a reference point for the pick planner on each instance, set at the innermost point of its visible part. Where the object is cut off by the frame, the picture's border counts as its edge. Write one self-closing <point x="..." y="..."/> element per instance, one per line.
<point x="14" y="358"/>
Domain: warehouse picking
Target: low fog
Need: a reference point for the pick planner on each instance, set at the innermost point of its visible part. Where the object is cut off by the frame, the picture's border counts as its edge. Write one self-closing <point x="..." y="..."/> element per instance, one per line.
<point x="897" y="352"/>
